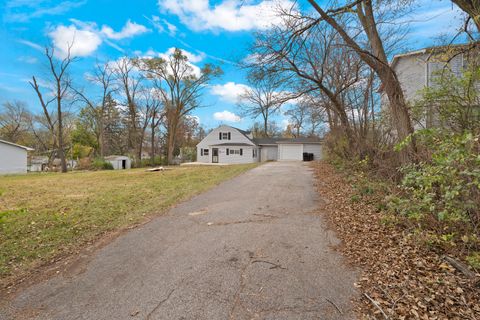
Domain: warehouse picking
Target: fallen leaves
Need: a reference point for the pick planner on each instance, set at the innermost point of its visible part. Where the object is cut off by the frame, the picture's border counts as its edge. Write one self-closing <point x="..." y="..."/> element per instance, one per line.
<point x="402" y="277"/>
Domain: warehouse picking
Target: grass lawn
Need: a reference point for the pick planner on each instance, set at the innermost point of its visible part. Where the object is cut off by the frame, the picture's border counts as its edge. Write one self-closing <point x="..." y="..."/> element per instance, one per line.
<point x="49" y="214"/>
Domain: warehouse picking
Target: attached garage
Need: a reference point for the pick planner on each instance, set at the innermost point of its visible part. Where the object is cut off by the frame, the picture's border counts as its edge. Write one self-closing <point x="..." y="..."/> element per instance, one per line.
<point x="288" y="152"/>
<point x="269" y="153"/>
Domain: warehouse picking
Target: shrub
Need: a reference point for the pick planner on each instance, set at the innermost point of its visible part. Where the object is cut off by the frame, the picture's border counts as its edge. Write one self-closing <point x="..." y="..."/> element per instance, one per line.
<point x="445" y="185"/>
<point x="100" y="164"/>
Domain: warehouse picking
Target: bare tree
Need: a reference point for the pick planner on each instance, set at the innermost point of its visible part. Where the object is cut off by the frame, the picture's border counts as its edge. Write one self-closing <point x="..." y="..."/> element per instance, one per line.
<point x="317" y="57"/>
<point x="58" y="87"/>
<point x="264" y="97"/>
<point x="375" y="57"/>
<point x="103" y="77"/>
<point x="183" y="88"/>
<point x="14" y="120"/>
<point x="130" y="80"/>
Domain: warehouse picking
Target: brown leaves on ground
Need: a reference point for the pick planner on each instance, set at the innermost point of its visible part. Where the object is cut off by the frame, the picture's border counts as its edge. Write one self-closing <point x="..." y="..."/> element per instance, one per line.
<point x="406" y="279"/>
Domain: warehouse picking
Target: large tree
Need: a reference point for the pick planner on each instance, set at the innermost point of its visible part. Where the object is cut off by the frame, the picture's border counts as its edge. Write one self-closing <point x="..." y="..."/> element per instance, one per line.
<point x="183" y="85"/>
<point x="58" y="85"/>
<point x="374" y="55"/>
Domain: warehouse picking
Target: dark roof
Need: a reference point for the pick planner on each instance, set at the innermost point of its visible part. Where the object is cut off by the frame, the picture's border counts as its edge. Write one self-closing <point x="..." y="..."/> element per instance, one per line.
<point x="260" y="141"/>
<point x="265" y="141"/>
<point x="233" y="144"/>
<point x="300" y="140"/>
<point x="243" y="131"/>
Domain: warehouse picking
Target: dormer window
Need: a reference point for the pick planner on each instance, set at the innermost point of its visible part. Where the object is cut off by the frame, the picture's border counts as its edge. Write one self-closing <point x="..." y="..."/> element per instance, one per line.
<point x="224" y="135"/>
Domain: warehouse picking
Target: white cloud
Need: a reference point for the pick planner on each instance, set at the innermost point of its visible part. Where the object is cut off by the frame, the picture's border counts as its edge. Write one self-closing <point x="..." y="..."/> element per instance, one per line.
<point x="229" y="91"/>
<point x="82" y="42"/>
<point x="23" y="11"/>
<point x="85" y="37"/>
<point x="28" y="59"/>
<point x="161" y="25"/>
<point x="226" y="115"/>
<point x="130" y="29"/>
<point x="31" y="44"/>
<point x="228" y="15"/>
<point x="285" y="123"/>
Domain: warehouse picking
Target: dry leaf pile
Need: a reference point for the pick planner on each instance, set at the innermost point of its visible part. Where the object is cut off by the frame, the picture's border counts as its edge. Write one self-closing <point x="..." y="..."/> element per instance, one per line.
<point x="404" y="278"/>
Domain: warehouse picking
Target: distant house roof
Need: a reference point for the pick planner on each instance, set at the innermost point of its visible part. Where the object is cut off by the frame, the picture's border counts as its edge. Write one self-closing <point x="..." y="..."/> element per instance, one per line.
<point x="275" y="141"/>
<point x="265" y="141"/>
<point x="233" y="144"/>
<point x="115" y="157"/>
<point x="433" y="50"/>
<point x="16" y="145"/>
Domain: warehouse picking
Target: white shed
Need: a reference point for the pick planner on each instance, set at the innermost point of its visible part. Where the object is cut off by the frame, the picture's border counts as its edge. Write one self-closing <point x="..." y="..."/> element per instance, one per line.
<point x="13" y="157"/>
<point x="119" y="162"/>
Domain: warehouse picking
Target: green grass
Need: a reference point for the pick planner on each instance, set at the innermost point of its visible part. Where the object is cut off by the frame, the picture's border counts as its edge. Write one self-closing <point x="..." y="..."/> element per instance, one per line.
<point x="46" y="215"/>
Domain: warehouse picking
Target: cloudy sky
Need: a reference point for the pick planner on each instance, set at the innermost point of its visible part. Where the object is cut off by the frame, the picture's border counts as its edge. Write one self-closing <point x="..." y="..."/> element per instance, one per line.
<point x="216" y="32"/>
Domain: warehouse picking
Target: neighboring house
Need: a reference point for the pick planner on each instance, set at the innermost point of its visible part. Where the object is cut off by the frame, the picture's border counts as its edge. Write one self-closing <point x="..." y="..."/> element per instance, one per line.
<point x="119" y="162"/>
<point x="38" y="164"/>
<point x="227" y="144"/>
<point x="418" y="69"/>
<point x="13" y="158"/>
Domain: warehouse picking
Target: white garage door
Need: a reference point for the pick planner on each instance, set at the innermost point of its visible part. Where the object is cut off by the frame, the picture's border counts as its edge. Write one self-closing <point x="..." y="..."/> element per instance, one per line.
<point x="290" y="152"/>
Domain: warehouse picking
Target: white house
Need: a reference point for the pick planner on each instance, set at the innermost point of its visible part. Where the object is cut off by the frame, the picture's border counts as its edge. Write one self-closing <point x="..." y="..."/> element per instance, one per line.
<point x="119" y="162"/>
<point x="227" y="144"/>
<point x="419" y="69"/>
<point x="13" y="157"/>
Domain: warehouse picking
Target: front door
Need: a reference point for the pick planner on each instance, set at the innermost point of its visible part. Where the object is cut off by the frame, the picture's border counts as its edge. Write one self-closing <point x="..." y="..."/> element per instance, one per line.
<point x="214" y="155"/>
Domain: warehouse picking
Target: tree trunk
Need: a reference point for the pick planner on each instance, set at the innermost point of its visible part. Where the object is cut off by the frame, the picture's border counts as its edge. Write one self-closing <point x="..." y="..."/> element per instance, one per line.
<point x="101" y="139"/>
<point x="152" y="142"/>
<point x="265" y="126"/>
<point x="379" y="63"/>
<point x="171" y="140"/>
<point x="61" y="152"/>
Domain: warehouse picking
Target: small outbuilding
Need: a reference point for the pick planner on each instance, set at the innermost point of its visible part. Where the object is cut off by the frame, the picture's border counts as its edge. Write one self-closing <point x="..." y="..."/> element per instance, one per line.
<point x="119" y="162"/>
<point x="13" y="157"/>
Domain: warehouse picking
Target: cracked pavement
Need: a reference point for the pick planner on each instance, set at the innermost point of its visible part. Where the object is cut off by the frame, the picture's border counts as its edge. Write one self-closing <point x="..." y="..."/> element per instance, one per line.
<point x="251" y="248"/>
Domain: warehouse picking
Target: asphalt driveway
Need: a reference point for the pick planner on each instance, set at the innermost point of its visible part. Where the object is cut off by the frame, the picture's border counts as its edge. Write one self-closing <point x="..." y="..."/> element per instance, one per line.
<point x="251" y="248"/>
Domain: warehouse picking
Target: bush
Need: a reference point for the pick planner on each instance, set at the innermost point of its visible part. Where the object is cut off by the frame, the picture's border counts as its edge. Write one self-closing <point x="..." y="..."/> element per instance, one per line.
<point x="446" y="184"/>
<point x="100" y="164"/>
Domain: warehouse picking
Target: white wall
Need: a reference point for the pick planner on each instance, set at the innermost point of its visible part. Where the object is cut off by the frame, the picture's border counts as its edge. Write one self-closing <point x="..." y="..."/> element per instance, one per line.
<point x="117" y="163"/>
<point x="316" y="149"/>
<point x="235" y="137"/>
<point x="290" y="151"/>
<point x="246" y="157"/>
<point x="269" y="153"/>
<point x="12" y="159"/>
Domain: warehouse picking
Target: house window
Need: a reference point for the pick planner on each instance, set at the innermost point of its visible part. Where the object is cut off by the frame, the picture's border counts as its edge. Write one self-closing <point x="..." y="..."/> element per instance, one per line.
<point x="237" y="151"/>
<point x="205" y="152"/>
<point x="254" y="153"/>
<point x="225" y="135"/>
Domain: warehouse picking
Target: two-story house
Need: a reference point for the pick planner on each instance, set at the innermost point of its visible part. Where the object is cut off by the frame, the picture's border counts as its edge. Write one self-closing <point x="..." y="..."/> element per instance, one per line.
<point x="419" y="69"/>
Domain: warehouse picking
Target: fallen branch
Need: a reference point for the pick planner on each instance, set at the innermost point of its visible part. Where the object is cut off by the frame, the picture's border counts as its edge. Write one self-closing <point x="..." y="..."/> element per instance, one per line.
<point x="274" y="265"/>
<point x="376" y="305"/>
<point x="460" y="267"/>
<point x="336" y="307"/>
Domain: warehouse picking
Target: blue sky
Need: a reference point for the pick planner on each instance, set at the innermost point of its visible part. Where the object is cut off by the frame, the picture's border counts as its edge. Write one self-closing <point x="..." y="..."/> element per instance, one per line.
<point x="210" y="31"/>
